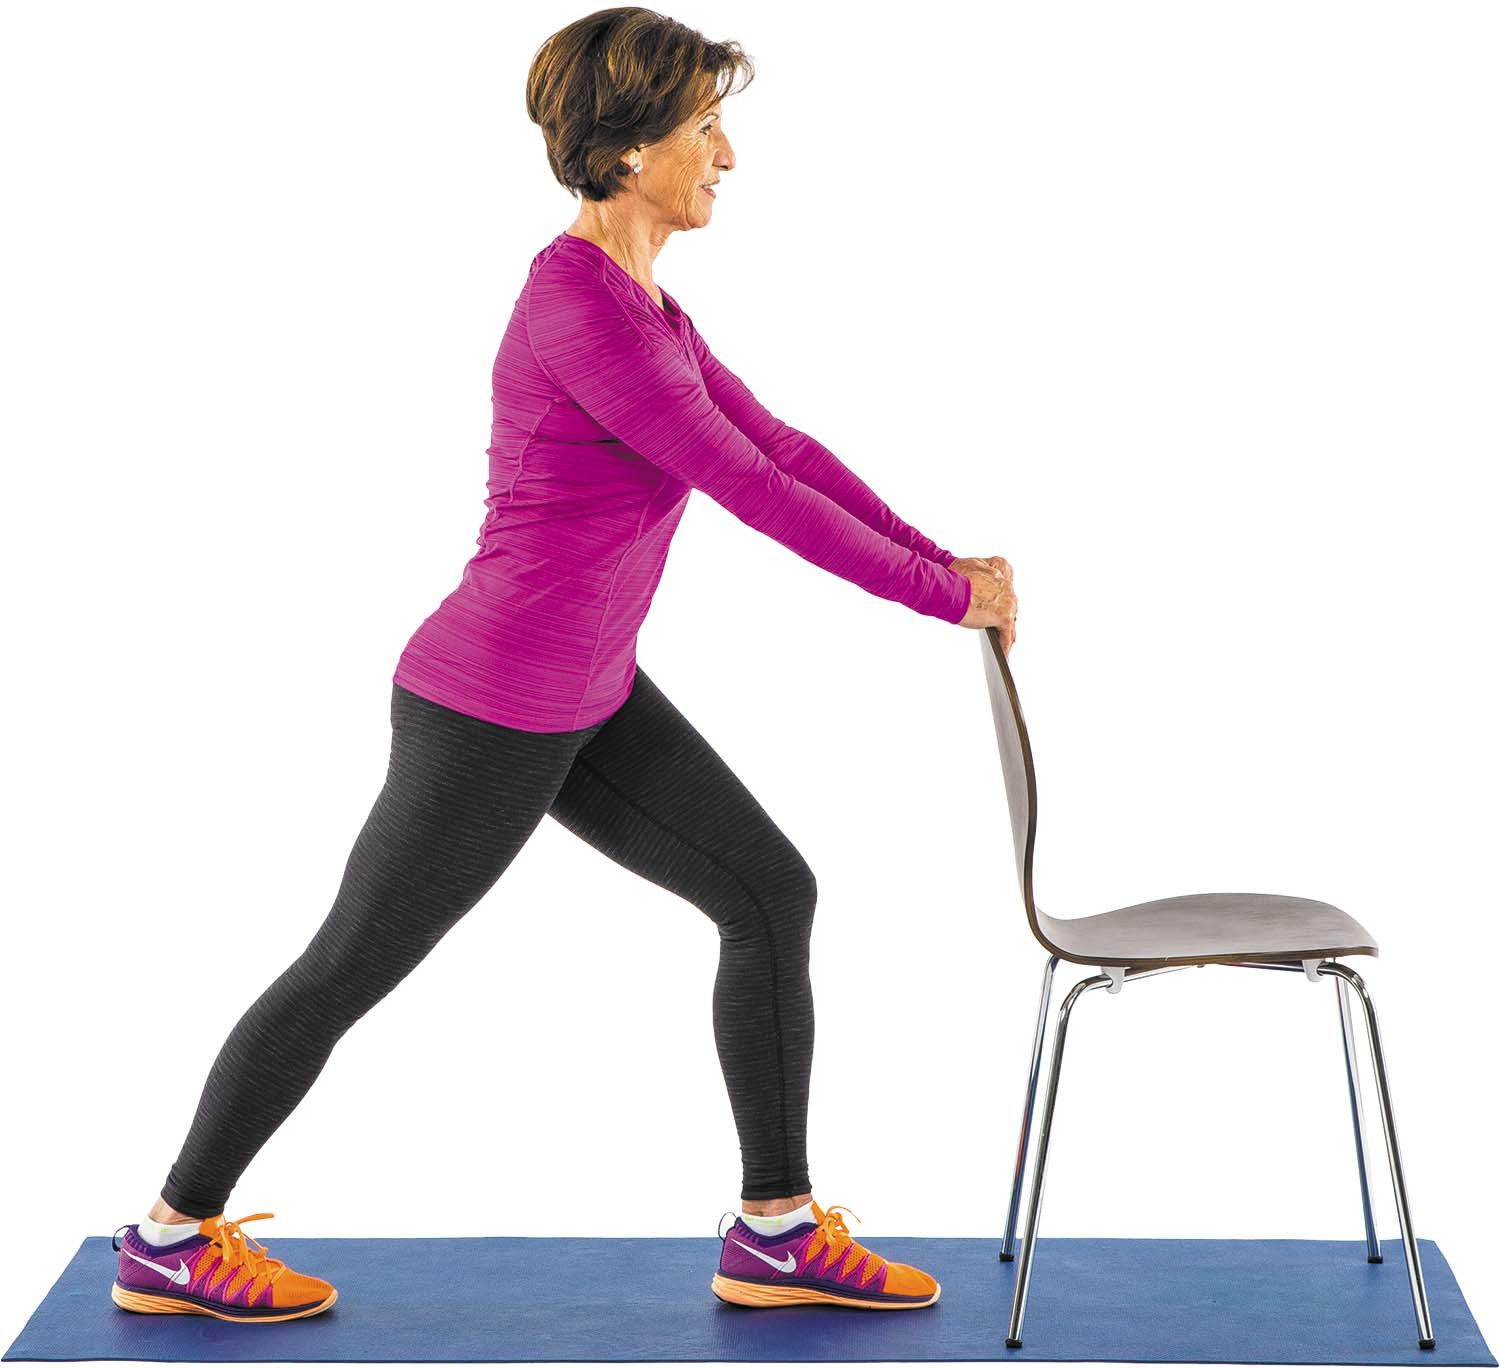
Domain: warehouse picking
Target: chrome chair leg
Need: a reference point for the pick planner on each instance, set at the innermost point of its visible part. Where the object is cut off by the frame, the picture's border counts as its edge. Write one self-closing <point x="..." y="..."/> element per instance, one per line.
<point x="1425" y="1338"/>
<point x="1356" y="1107"/>
<point x="1007" y="1247"/>
<point x="1039" y="1177"/>
<point x="1039" y="1174"/>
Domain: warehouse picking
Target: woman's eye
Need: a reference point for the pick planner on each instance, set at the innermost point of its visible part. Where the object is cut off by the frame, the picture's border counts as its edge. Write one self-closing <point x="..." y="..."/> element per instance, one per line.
<point x="709" y="128"/>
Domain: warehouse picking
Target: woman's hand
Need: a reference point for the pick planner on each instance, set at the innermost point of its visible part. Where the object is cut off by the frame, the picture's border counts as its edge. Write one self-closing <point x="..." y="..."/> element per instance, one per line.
<point x="993" y="603"/>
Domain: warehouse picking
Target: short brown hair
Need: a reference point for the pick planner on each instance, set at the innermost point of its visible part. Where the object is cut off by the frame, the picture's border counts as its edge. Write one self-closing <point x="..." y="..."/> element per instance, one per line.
<point x="617" y="79"/>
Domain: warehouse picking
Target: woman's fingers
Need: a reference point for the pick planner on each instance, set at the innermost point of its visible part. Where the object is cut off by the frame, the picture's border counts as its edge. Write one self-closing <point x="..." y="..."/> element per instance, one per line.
<point x="1008" y="609"/>
<point x="1008" y="628"/>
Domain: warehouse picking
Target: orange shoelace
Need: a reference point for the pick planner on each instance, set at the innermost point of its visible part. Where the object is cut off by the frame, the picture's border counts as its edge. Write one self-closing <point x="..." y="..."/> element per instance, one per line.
<point x="239" y="1250"/>
<point x="840" y="1242"/>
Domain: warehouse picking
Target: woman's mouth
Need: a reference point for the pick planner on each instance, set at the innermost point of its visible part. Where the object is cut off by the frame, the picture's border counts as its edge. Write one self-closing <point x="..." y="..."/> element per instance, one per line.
<point x="707" y="191"/>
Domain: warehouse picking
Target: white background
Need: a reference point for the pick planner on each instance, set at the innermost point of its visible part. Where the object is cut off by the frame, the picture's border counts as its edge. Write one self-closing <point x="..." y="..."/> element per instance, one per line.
<point x="1186" y="309"/>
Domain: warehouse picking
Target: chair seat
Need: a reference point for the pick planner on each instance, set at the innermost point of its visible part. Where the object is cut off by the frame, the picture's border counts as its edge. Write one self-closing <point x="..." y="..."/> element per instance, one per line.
<point x="1207" y="928"/>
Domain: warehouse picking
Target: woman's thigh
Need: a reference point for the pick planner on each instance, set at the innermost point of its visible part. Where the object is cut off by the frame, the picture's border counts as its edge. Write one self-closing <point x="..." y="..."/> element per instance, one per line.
<point x="461" y="797"/>
<point x="651" y="793"/>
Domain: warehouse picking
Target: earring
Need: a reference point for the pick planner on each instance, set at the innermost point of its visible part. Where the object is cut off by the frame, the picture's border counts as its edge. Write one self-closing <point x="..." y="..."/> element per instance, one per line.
<point x="636" y="168"/>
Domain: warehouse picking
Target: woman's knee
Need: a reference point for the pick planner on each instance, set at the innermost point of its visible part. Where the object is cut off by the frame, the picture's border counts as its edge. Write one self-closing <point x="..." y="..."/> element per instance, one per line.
<point x="777" y="903"/>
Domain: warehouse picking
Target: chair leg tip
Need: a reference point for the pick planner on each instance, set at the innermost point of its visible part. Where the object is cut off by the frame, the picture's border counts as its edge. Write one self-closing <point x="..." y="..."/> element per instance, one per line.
<point x="1374" y="1258"/>
<point x="1426" y="1344"/>
<point x="1007" y="1258"/>
<point x="1012" y="1343"/>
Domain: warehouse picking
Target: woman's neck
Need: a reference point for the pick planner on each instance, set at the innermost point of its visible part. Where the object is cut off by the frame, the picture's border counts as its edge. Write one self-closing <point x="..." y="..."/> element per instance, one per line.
<point x="631" y="242"/>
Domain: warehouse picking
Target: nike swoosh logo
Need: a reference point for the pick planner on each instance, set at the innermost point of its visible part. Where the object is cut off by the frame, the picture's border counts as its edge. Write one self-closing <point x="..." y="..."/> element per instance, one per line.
<point x="179" y="1274"/>
<point x="786" y="1265"/>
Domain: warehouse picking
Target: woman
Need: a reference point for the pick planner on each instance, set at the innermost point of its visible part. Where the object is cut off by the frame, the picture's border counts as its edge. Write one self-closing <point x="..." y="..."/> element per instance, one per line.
<point x="520" y="695"/>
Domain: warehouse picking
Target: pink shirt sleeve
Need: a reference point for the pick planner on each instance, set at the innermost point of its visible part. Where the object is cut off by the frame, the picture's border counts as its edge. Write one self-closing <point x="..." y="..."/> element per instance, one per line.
<point x="630" y="374"/>
<point x="804" y="457"/>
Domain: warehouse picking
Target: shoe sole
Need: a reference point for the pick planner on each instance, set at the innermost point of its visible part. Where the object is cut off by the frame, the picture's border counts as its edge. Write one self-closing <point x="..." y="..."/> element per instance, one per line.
<point x="170" y="1306"/>
<point x="774" y="1294"/>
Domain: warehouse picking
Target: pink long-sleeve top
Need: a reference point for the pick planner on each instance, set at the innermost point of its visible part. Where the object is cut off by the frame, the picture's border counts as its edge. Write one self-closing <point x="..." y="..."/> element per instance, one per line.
<point x="608" y="411"/>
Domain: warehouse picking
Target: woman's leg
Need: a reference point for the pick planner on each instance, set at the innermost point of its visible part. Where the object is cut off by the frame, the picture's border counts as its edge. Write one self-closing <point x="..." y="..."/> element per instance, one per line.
<point x="653" y="795"/>
<point x="460" y="798"/>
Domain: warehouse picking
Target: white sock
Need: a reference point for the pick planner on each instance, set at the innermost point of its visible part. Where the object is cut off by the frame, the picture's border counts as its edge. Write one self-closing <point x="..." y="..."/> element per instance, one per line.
<point x="155" y="1232"/>
<point x="778" y="1225"/>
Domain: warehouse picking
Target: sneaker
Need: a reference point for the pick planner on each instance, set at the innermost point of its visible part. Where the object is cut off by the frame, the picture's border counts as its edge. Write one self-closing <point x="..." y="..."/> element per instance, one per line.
<point x="817" y="1261"/>
<point x="214" y="1273"/>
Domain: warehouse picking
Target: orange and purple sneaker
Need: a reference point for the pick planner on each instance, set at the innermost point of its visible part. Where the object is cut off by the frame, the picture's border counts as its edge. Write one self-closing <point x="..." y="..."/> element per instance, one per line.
<point x="819" y="1262"/>
<point x="219" y="1271"/>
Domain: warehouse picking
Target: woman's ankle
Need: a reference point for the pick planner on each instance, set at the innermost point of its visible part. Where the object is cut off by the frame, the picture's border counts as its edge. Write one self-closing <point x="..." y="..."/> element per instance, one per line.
<point x="773" y="1206"/>
<point x="169" y="1215"/>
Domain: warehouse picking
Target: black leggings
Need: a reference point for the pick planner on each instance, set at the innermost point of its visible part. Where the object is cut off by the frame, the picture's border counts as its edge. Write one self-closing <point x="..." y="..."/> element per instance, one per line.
<point x="460" y="798"/>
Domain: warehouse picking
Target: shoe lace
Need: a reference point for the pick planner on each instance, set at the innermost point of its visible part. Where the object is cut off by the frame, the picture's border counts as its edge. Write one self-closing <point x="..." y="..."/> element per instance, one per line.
<point x="240" y="1250"/>
<point x="836" y="1236"/>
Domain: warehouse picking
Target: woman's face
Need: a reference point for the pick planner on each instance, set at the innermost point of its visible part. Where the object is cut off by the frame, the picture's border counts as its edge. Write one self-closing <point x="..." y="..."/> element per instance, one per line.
<point x="676" y="170"/>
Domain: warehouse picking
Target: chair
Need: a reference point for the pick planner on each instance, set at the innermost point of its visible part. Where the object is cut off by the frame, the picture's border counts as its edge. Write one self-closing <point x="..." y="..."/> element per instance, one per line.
<point x="1241" y="930"/>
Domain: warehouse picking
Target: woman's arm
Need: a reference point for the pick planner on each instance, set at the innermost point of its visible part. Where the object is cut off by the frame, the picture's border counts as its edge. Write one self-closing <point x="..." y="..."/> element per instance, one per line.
<point x="637" y="383"/>
<point x="805" y="457"/>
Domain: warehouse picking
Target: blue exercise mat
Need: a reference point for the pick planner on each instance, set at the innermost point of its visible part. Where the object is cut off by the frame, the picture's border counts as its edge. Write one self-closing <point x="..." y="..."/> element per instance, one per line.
<point x="520" y="1298"/>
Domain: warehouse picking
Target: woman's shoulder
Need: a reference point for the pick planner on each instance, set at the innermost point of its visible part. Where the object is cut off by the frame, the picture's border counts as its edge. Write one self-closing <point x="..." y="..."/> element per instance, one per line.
<point x="563" y="276"/>
<point x="571" y="282"/>
<point x="560" y="268"/>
